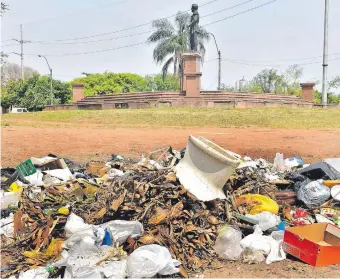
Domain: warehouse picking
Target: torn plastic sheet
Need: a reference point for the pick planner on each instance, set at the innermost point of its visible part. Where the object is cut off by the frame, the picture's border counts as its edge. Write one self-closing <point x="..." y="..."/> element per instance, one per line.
<point x="114" y="270"/>
<point x="268" y="245"/>
<point x="7" y="225"/>
<point x="150" y="164"/>
<point x="35" y="178"/>
<point x="37" y="273"/>
<point x="9" y="198"/>
<point x="38" y="162"/>
<point x="266" y="220"/>
<point x="63" y="174"/>
<point x="149" y="260"/>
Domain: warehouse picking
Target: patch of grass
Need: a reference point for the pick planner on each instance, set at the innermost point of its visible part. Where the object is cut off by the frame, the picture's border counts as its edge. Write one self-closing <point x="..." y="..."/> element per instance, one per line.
<point x="295" y="118"/>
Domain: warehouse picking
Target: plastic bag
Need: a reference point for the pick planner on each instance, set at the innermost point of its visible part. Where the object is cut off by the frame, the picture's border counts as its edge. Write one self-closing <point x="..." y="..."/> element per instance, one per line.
<point x="227" y="244"/>
<point x="114" y="270"/>
<point x="76" y="230"/>
<point x="314" y="194"/>
<point x="335" y="192"/>
<point x="265" y="244"/>
<point x="266" y="220"/>
<point x="258" y="203"/>
<point x="149" y="260"/>
<point x="120" y="230"/>
<point x="37" y="273"/>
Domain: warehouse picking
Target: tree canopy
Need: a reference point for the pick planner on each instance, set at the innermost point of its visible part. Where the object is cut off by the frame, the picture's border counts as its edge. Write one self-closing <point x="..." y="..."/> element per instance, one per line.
<point x="109" y="83"/>
<point x="271" y="81"/>
<point x="34" y="93"/>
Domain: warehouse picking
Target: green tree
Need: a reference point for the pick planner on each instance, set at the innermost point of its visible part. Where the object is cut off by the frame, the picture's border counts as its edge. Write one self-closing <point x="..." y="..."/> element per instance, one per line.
<point x="158" y="83"/>
<point x="108" y="83"/>
<point x="34" y="93"/>
<point x="269" y="81"/>
<point x="172" y="40"/>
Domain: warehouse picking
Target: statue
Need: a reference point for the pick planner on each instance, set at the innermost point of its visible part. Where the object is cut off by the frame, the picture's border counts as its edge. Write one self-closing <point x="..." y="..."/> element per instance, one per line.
<point x="193" y="27"/>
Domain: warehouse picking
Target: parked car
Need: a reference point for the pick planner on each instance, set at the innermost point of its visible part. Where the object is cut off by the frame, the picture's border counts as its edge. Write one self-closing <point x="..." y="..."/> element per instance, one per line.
<point x="19" y="110"/>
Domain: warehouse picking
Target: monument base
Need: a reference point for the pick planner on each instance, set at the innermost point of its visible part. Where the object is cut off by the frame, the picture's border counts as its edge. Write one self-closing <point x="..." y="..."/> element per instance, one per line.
<point x="191" y="78"/>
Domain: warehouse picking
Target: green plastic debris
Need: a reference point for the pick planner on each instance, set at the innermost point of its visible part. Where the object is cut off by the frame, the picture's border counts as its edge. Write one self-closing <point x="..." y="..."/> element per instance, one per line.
<point x="26" y="168"/>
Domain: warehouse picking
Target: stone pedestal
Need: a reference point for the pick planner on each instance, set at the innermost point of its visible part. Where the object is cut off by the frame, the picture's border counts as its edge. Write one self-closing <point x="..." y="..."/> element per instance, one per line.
<point x="77" y="92"/>
<point x="307" y="91"/>
<point x="191" y="78"/>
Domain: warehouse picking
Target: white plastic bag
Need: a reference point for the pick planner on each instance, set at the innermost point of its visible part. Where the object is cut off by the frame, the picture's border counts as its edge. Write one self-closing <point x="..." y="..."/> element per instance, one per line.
<point x="76" y="230"/>
<point x="114" y="270"/>
<point x="266" y="220"/>
<point x="269" y="246"/>
<point x="227" y="244"/>
<point x="37" y="273"/>
<point x="121" y="230"/>
<point x="149" y="260"/>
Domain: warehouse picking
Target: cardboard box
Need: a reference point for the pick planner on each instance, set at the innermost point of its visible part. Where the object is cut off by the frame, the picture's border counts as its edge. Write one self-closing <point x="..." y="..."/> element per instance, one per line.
<point x="316" y="244"/>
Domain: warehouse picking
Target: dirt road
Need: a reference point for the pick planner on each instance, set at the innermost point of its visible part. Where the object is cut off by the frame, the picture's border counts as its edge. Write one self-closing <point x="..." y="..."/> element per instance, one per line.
<point x="85" y="143"/>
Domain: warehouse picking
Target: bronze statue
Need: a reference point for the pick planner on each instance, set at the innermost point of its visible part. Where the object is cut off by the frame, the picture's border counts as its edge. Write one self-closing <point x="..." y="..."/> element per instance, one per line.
<point x="193" y="27"/>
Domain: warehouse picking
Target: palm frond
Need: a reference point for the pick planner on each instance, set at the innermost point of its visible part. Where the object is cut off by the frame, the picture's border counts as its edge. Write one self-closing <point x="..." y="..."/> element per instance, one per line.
<point x="166" y="66"/>
<point x="164" y="30"/>
<point x="203" y="34"/>
<point x="182" y="21"/>
<point x="202" y="50"/>
<point x="163" y="49"/>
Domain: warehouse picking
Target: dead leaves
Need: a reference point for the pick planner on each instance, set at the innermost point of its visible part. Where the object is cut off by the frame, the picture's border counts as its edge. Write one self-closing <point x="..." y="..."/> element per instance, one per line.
<point x="118" y="202"/>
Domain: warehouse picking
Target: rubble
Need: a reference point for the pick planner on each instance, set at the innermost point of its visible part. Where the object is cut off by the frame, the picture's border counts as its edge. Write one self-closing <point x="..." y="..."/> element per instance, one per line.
<point x="96" y="220"/>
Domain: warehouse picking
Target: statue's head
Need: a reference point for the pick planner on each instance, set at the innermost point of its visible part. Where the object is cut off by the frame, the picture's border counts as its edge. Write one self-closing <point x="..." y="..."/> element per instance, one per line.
<point x="194" y="7"/>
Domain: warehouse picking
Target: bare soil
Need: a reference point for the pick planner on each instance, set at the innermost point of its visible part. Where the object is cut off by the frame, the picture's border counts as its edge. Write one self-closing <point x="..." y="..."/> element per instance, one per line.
<point x="86" y="143"/>
<point x="92" y="143"/>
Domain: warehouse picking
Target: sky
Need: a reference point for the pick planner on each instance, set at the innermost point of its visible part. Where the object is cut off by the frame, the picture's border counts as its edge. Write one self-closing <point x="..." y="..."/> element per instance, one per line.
<point x="276" y="35"/>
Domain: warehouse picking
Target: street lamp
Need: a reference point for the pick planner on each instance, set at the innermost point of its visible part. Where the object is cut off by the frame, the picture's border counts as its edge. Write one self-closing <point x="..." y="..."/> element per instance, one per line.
<point x="51" y="93"/>
<point x="219" y="62"/>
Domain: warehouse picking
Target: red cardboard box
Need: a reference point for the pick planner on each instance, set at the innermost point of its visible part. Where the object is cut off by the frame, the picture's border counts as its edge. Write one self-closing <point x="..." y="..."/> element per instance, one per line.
<point x="316" y="244"/>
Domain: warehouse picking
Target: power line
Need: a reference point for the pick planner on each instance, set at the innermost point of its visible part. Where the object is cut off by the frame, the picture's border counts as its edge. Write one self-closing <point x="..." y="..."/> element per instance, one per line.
<point x="246" y="11"/>
<point x="274" y="65"/>
<point x="110" y="49"/>
<point x="121" y="30"/>
<point x="90" y="52"/>
<point x="283" y="60"/>
<point x="226" y="9"/>
<point x="131" y="35"/>
<point x="72" y="13"/>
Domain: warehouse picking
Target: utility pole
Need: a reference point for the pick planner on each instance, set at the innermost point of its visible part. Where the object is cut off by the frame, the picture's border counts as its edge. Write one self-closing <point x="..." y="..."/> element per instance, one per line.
<point x="219" y="63"/>
<point x="22" y="52"/>
<point x="51" y="77"/>
<point x="325" y="56"/>
<point x="219" y="70"/>
<point x="21" y="41"/>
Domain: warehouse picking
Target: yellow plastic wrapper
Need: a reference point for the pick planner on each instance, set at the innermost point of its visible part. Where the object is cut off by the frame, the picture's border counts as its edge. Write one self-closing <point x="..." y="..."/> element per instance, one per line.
<point x="64" y="211"/>
<point x="53" y="251"/>
<point x="257" y="203"/>
<point x="14" y="188"/>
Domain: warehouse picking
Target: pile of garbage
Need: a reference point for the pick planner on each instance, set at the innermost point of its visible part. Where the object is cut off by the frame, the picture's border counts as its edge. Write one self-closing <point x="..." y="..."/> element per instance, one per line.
<point x="170" y="214"/>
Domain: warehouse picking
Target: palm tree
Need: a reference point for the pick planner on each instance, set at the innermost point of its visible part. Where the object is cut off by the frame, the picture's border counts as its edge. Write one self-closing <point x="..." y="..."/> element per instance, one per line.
<point x="173" y="40"/>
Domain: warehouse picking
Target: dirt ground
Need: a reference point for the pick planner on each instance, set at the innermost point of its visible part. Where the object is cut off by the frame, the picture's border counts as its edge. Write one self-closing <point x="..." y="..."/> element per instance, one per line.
<point x="92" y="143"/>
<point x="86" y="143"/>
